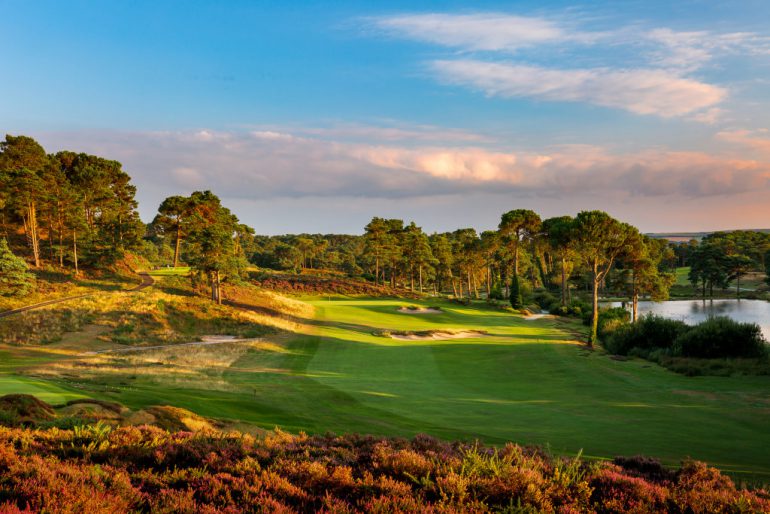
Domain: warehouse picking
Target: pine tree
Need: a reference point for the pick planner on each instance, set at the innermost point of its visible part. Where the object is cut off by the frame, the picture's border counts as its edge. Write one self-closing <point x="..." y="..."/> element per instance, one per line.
<point x="15" y="279"/>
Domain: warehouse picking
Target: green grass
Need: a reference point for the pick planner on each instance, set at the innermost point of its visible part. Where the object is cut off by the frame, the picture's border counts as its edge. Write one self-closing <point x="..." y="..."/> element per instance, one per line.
<point x="526" y="381"/>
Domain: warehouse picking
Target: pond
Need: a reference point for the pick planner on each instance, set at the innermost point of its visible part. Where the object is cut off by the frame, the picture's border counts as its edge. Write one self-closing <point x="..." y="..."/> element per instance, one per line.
<point x="695" y="311"/>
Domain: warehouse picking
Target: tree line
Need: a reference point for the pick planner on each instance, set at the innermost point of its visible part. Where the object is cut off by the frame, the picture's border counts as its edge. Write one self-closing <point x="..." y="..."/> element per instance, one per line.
<point x="72" y="209"/>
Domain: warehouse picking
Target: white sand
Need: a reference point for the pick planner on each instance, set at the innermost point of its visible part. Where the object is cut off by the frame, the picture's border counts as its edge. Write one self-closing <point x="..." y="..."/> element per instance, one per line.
<point x="438" y="336"/>
<point x="420" y="310"/>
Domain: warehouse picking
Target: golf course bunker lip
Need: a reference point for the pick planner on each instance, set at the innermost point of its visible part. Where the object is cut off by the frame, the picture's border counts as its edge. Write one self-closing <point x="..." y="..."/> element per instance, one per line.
<point x="420" y="310"/>
<point x="436" y="335"/>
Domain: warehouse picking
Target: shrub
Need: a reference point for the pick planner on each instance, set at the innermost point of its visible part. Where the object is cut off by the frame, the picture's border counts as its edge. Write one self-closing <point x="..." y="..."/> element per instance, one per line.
<point x="496" y="293"/>
<point x="546" y="301"/>
<point x="612" y="319"/>
<point x="721" y="337"/>
<point x="145" y="469"/>
<point x="650" y="332"/>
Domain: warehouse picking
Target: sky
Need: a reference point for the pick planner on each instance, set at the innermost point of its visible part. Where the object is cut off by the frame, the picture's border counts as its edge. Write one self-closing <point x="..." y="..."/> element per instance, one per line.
<point x="309" y="116"/>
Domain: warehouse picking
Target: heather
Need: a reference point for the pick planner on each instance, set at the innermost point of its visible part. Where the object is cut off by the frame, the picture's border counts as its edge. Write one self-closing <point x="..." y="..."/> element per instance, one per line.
<point x="146" y="469"/>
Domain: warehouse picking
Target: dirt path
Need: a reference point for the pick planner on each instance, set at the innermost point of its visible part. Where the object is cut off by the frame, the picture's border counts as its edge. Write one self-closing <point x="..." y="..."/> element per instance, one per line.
<point x="147" y="281"/>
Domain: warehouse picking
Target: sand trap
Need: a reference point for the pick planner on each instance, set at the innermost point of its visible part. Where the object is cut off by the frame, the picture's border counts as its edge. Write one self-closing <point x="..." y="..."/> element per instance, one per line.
<point x="436" y="336"/>
<point x="419" y="310"/>
<point x="533" y="317"/>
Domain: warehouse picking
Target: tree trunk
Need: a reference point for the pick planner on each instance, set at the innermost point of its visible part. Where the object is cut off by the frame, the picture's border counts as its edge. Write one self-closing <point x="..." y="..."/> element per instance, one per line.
<point x="377" y="270"/>
<point x="489" y="280"/>
<point x="563" y="282"/>
<point x="595" y="310"/>
<point x="411" y="277"/>
<point x="219" y="288"/>
<point x="31" y="229"/>
<point x="420" y="274"/>
<point x="75" y="250"/>
<point x="178" y="244"/>
<point x="634" y="299"/>
<point x="469" y="283"/>
<point x="51" y="253"/>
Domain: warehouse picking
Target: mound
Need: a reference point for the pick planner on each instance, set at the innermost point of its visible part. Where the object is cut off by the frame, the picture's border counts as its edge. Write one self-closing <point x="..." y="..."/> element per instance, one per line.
<point x="173" y="419"/>
<point x="25" y="409"/>
<point x="92" y="410"/>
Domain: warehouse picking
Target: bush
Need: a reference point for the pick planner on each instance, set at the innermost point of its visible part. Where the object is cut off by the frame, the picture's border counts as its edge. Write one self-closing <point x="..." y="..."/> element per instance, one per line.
<point x="496" y="293"/>
<point x="546" y="301"/>
<point x="650" y="332"/>
<point x="575" y="308"/>
<point x="612" y="319"/>
<point x="721" y="337"/>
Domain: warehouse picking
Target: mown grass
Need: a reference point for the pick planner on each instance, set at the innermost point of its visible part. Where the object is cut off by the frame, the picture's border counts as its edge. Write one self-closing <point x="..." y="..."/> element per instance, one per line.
<point x="524" y="381"/>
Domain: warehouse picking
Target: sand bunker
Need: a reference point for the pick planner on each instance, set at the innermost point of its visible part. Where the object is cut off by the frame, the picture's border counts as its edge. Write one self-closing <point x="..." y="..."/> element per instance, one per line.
<point x="419" y="310"/>
<point x="533" y="317"/>
<point x="439" y="335"/>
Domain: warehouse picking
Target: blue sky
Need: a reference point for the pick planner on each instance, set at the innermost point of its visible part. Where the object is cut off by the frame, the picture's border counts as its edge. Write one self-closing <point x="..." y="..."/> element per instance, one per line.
<point x="316" y="116"/>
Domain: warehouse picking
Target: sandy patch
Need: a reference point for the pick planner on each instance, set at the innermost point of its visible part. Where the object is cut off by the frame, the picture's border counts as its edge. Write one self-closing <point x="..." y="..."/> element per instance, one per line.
<point x="205" y="341"/>
<point x="436" y="336"/>
<point x="419" y="310"/>
<point x="533" y="317"/>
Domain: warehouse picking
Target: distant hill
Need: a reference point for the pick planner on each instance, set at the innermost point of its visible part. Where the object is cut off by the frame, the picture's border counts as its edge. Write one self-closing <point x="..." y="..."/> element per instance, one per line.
<point x="686" y="236"/>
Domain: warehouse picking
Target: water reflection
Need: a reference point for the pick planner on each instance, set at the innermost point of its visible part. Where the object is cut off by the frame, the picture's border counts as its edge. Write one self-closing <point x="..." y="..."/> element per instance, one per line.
<point x="695" y="311"/>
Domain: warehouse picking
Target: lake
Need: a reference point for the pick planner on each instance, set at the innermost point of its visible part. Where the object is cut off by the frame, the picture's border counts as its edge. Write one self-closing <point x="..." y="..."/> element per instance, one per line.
<point x="695" y="311"/>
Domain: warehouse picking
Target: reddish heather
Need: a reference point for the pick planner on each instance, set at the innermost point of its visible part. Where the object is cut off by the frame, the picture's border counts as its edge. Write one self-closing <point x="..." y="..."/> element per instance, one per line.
<point x="95" y="469"/>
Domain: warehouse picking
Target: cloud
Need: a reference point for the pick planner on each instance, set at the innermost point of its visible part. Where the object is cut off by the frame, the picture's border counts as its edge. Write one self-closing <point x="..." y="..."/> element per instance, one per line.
<point x="641" y="91"/>
<point x="757" y="140"/>
<point x="688" y="51"/>
<point x="306" y="175"/>
<point x="645" y="71"/>
<point x="481" y="31"/>
<point x="393" y="132"/>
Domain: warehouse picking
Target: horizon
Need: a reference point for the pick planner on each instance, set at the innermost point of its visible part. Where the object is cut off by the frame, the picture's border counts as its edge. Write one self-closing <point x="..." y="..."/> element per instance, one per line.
<point x="313" y="118"/>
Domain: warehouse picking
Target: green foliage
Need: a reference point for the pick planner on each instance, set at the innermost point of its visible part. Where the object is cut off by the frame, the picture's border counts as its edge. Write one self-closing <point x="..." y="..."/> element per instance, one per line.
<point x="15" y="279"/>
<point x="650" y="332"/>
<point x="546" y="301"/>
<point x="721" y="337"/>
<point x="659" y="338"/>
<point x="612" y="319"/>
